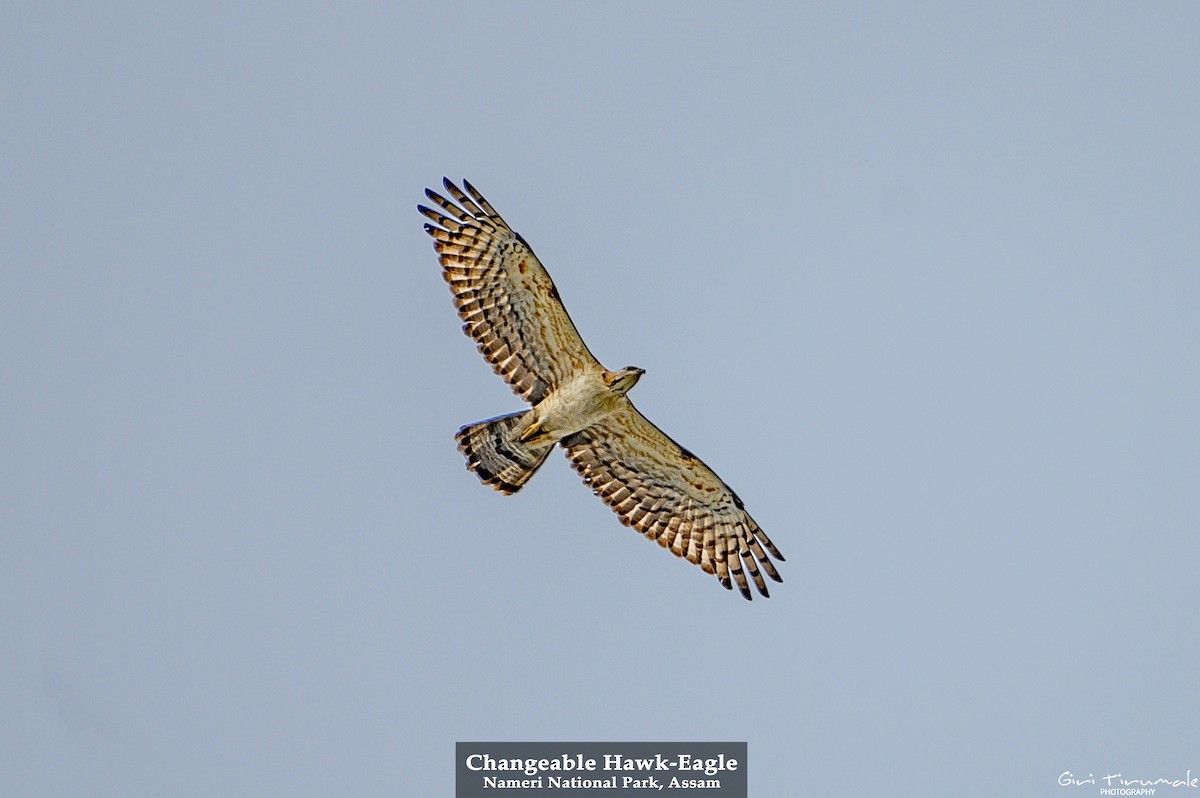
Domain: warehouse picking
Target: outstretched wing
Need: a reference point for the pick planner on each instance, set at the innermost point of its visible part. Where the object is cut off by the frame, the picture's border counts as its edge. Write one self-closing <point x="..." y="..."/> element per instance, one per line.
<point x="665" y="492"/>
<point x="507" y="301"/>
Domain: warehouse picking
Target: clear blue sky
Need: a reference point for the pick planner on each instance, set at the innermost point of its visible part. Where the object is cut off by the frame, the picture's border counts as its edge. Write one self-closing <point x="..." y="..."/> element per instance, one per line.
<point x="920" y="282"/>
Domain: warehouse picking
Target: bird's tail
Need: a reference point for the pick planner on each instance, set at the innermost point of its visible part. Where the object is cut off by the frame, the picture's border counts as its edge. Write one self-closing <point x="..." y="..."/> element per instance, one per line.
<point x="497" y="456"/>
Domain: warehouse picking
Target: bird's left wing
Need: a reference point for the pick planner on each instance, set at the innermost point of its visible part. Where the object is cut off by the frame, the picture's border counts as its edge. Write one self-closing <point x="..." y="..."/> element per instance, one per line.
<point x="507" y="301"/>
<point x="669" y="495"/>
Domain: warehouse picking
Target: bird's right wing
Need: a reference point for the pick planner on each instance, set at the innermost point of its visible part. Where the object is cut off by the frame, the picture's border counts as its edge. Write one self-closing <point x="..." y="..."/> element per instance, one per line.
<point x="669" y="495"/>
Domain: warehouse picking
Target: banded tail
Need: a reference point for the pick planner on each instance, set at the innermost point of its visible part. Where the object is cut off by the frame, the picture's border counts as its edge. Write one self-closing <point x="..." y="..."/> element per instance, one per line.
<point x="495" y="454"/>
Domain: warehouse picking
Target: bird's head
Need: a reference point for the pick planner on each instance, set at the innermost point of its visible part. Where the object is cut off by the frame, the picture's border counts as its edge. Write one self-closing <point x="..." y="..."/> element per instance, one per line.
<point x="621" y="381"/>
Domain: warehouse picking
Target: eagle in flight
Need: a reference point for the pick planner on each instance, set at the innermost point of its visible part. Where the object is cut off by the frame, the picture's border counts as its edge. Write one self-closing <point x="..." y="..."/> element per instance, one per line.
<point x="509" y="305"/>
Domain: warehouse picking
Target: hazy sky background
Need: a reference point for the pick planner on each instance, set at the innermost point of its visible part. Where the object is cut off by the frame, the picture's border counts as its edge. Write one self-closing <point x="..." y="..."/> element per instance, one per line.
<point x="920" y="281"/>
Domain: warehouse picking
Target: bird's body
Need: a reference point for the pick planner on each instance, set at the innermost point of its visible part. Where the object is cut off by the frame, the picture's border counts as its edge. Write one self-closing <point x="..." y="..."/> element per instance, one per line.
<point x="583" y="400"/>
<point x="511" y="307"/>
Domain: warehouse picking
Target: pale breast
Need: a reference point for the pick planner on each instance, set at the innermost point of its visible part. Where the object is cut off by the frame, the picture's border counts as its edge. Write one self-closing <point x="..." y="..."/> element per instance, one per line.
<point x="575" y="405"/>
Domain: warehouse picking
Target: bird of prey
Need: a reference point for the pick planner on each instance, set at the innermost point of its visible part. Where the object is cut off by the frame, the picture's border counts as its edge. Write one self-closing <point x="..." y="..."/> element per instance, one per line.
<point x="509" y="305"/>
